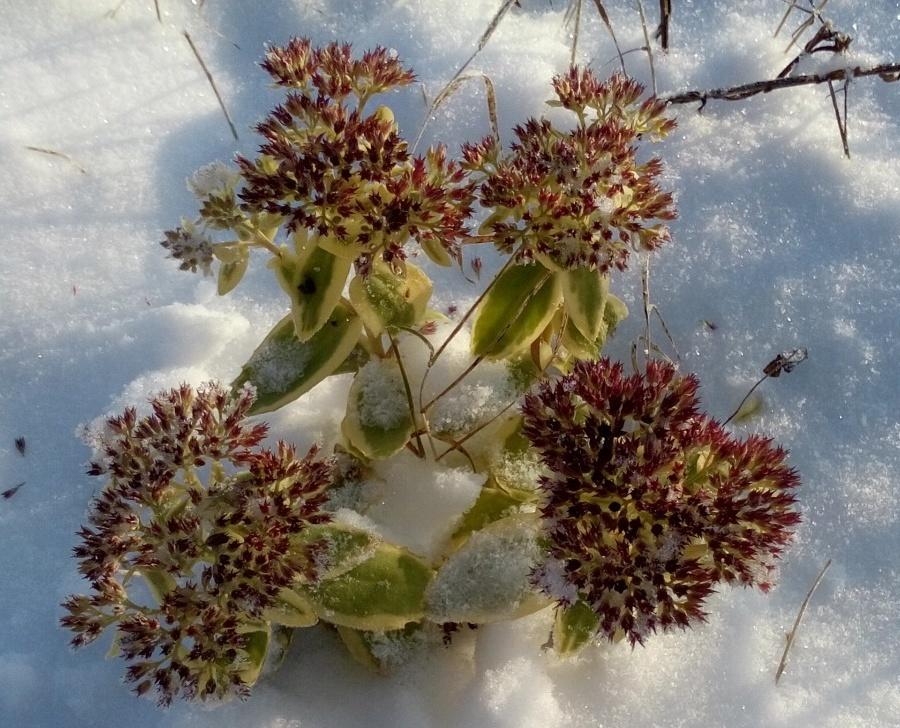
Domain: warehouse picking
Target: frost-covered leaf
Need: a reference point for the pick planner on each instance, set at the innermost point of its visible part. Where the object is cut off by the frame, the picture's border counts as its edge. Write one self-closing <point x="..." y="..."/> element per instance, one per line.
<point x="314" y="280"/>
<point x="383" y="651"/>
<point x="488" y="579"/>
<point x="584" y="293"/>
<point x="339" y="547"/>
<point x="493" y="504"/>
<point x="378" y="422"/>
<point x="387" y="591"/>
<point x="574" y="627"/>
<point x="515" y="311"/>
<point x="282" y="367"/>
<point x="387" y="299"/>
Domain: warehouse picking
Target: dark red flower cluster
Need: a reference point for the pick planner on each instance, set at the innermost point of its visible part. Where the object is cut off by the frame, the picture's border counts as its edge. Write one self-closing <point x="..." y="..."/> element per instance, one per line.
<point x="331" y="168"/>
<point x="198" y="513"/>
<point x="649" y="503"/>
<point x="578" y="198"/>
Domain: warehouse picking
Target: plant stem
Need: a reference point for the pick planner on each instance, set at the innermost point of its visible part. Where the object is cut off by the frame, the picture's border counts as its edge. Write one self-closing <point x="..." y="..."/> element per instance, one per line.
<point x="436" y="355"/>
<point x="409" y="398"/>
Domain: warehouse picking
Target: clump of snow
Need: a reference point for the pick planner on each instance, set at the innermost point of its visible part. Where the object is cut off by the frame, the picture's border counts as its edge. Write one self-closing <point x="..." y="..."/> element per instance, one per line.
<point x="418" y="505"/>
<point x="476" y="399"/>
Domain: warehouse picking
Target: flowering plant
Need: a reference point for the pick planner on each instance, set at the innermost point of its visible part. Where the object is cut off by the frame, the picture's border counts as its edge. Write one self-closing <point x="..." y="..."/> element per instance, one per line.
<point x="610" y="499"/>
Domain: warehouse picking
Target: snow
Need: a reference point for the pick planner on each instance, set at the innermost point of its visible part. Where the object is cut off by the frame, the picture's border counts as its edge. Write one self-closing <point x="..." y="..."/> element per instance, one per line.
<point x="417" y="505"/>
<point x="782" y="242"/>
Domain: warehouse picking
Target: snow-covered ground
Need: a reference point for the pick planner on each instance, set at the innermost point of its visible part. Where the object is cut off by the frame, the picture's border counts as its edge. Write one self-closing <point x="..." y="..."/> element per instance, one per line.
<point x="782" y="242"/>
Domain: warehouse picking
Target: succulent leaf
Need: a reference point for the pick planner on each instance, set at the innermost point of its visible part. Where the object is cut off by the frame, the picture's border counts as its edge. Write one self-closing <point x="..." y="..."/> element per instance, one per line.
<point x="575" y="626"/>
<point x="515" y="311"/>
<point x="282" y="368"/>
<point x="386" y="299"/>
<point x="378" y="422"/>
<point x="585" y="292"/>
<point x="314" y="280"/>
<point x="385" y="592"/>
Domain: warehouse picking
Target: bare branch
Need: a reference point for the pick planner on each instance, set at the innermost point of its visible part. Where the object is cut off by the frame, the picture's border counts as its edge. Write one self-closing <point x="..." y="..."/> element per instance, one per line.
<point x="887" y="72"/>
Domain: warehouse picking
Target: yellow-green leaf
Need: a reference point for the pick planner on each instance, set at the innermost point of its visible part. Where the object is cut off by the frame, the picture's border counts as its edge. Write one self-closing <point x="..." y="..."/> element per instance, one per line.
<point x="231" y="272"/>
<point x="314" y="280"/>
<point x="256" y="647"/>
<point x="378" y="422"/>
<point x="437" y="252"/>
<point x="291" y="610"/>
<point x="159" y="582"/>
<point x="493" y="503"/>
<point x="282" y="367"/>
<point x="585" y="292"/>
<point x="574" y="628"/>
<point x="615" y="312"/>
<point x="387" y="299"/>
<point x="385" y="592"/>
<point x="515" y="311"/>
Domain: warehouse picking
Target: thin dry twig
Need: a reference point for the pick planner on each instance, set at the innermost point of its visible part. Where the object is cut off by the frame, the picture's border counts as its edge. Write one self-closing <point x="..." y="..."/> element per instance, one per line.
<point x="482" y="42"/>
<point x="54" y="153"/>
<point x="604" y="16"/>
<point x="456" y="445"/>
<point x="640" y="9"/>
<point x="887" y="72"/>
<point x="841" y="122"/>
<point x="793" y="633"/>
<point x="576" y="17"/>
<point x="158" y="14"/>
<point x="212" y="83"/>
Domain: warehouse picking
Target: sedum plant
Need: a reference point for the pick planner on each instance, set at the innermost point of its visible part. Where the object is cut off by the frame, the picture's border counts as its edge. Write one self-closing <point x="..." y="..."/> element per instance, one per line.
<point x="488" y="467"/>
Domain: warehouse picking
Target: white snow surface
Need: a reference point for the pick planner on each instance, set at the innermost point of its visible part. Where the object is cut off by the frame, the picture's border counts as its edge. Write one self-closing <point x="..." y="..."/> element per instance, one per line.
<point x="782" y="242"/>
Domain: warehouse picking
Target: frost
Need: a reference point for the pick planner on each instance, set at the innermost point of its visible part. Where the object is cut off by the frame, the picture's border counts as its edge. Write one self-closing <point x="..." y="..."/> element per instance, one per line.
<point x="382" y="398"/>
<point x="212" y="179"/>
<point x="278" y="363"/>
<point x="517" y="469"/>
<point x="488" y="578"/>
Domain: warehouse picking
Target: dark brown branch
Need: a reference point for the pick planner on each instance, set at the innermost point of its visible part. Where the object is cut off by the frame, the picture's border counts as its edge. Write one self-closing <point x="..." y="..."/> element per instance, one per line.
<point x="662" y="30"/>
<point x="887" y="72"/>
